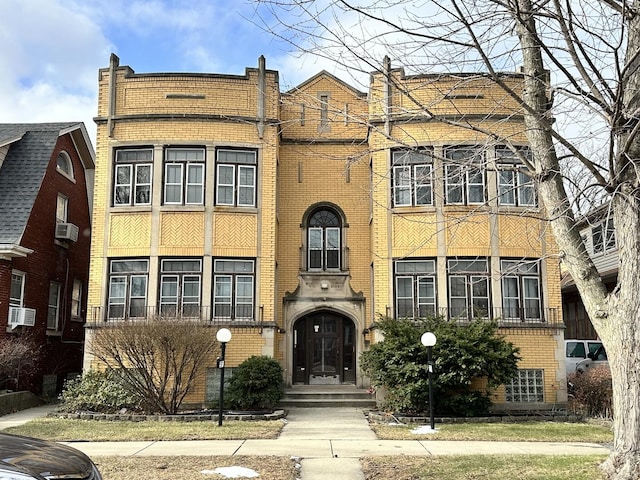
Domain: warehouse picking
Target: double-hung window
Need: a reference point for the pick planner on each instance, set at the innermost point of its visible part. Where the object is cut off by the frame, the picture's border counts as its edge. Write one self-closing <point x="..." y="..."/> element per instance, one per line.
<point x="236" y="177"/>
<point x="53" y="311"/>
<point x="521" y="298"/>
<point x="233" y="296"/>
<point x="324" y="240"/>
<point x="180" y="281"/>
<point x="514" y="186"/>
<point x="16" y="295"/>
<point x="412" y="178"/>
<point x="184" y="175"/>
<point x="464" y="176"/>
<point x="132" y="178"/>
<point x="468" y="288"/>
<point x="415" y="288"/>
<point x="128" y="288"/>
<point x="76" y="299"/>
<point x="603" y="236"/>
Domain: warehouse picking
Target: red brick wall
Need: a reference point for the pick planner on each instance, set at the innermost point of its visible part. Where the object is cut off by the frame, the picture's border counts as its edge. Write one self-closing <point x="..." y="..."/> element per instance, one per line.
<point x="53" y="262"/>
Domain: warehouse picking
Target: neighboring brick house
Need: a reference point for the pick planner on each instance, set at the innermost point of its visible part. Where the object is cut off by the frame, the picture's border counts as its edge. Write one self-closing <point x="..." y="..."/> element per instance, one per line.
<point x="599" y="236"/>
<point x="46" y="188"/>
<point x="292" y="218"/>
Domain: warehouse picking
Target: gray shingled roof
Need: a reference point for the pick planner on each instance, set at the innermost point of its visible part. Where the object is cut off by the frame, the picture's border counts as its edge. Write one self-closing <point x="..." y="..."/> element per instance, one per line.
<point x="22" y="172"/>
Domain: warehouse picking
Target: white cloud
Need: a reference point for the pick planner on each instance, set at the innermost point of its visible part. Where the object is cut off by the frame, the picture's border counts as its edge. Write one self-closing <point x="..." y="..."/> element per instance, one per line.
<point x="49" y="60"/>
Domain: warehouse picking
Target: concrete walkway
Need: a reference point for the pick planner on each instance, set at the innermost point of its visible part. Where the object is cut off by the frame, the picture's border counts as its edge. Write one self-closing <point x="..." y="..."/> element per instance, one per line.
<point x="328" y="441"/>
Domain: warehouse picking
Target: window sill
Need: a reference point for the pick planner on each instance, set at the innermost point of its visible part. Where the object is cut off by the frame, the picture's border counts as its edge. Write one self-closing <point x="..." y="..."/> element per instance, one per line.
<point x="232" y="209"/>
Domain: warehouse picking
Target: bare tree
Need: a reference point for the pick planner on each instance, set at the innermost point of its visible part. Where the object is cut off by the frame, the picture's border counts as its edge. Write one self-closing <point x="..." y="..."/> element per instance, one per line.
<point x="581" y="106"/>
<point x="158" y="358"/>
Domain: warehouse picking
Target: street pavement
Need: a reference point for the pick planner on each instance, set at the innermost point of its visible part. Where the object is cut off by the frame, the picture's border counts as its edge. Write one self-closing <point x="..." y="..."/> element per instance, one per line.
<point x="328" y="441"/>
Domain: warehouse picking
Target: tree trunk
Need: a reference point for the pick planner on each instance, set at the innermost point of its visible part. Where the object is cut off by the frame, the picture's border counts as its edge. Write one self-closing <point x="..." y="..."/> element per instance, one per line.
<point x="615" y="316"/>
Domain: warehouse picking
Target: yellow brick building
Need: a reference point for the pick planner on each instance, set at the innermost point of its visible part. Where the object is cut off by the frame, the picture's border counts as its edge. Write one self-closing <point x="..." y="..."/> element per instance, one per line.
<point x="297" y="218"/>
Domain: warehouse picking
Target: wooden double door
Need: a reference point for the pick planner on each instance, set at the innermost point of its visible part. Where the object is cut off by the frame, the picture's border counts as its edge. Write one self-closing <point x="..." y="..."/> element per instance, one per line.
<point x="324" y="350"/>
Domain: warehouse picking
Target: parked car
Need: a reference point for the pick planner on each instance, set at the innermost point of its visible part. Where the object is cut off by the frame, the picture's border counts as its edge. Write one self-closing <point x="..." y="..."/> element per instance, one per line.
<point x="577" y="350"/>
<point x="25" y="458"/>
<point x="595" y="359"/>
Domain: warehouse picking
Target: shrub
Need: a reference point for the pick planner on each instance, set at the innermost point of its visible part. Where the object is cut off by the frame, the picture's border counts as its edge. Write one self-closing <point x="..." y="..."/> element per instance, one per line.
<point x="590" y="393"/>
<point x="103" y="392"/>
<point x="463" y="353"/>
<point x="257" y="383"/>
<point x="160" y="358"/>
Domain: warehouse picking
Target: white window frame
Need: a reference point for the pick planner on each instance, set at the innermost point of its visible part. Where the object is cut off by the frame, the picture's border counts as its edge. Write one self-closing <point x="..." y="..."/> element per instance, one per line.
<point x="135" y="160"/>
<point x="242" y="270"/>
<point x="66" y="169"/>
<point x="243" y="192"/>
<point x="522" y="272"/>
<point x="515" y="188"/>
<point x="187" y="160"/>
<point x="126" y="278"/>
<point x="461" y="172"/>
<point x="410" y="179"/>
<point x="62" y="208"/>
<point x="417" y="278"/>
<point x="179" y="304"/>
<point x="17" y="301"/>
<point x="471" y="279"/>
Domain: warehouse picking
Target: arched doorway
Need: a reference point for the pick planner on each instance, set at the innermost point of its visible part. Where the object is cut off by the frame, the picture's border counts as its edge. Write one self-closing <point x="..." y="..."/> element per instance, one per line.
<point x="324" y="350"/>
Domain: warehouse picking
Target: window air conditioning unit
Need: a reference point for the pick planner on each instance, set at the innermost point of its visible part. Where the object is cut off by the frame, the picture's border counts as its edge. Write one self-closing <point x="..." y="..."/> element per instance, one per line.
<point x="67" y="231"/>
<point x="21" y="316"/>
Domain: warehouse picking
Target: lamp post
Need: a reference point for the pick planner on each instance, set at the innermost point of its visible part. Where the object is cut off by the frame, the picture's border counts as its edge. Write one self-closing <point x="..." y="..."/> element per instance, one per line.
<point x="223" y="336"/>
<point x="428" y="339"/>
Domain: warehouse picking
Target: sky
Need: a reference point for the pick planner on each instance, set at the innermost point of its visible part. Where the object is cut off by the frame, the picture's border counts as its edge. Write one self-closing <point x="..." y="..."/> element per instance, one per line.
<point x="51" y="50"/>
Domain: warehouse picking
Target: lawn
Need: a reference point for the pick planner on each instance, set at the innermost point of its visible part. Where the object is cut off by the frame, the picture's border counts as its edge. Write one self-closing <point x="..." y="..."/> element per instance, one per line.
<point x="483" y="467"/>
<point x="467" y="467"/>
<point x="121" y="431"/>
<point x="508" y="432"/>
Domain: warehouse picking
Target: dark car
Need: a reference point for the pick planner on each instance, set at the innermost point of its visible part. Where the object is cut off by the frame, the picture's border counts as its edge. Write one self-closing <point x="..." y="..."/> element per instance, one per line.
<point x="25" y="458"/>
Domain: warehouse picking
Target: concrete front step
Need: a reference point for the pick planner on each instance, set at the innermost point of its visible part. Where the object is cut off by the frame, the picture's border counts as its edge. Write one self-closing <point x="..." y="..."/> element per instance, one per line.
<point x="326" y="396"/>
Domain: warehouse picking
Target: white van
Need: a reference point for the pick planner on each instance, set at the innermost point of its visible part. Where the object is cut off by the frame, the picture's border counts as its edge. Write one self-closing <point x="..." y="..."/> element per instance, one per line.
<point x="577" y="350"/>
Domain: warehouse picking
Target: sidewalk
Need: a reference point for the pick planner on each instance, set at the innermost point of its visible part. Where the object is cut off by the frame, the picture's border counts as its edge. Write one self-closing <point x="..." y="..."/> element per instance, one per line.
<point x="329" y="442"/>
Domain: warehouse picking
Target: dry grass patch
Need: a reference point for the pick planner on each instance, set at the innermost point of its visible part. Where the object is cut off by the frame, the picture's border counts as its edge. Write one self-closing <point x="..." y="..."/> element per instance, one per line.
<point x="505" y="432"/>
<point x="484" y="467"/>
<point x="190" y="468"/>
<point x="122" y="431"/>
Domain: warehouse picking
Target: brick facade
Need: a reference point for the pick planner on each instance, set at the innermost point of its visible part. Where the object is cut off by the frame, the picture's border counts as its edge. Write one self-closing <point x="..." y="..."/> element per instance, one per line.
<point x="322" y="148"/>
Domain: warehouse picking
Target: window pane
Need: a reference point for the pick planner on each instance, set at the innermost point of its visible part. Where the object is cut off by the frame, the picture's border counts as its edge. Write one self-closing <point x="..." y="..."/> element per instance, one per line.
<point x="246" y="186"/>
<point x="16" y="290"/>
<point x="225" y="184"/>
<point x="195" y="184"/>
<point x="315" y="238"/>
<point x="506" y="187"/>
<point x="122" y="194"/>
<point x="173" y="184"/>
<point x="402" y="186"/>
<point x="422" y="178"/>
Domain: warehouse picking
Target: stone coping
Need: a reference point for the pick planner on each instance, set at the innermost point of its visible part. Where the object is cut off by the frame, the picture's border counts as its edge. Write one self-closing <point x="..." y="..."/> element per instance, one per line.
<point x="185" y="417"/>
<point x="383" y="418"/>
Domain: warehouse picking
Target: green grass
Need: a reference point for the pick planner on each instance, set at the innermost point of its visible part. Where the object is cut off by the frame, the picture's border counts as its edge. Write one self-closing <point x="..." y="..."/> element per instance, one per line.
<point x="508" y="432"/>
<point x="484" y="467"/>
<point x="95" y="431"/>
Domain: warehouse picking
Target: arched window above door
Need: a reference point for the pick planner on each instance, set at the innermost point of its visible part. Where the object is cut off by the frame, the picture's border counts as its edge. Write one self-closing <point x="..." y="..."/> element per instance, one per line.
<point x="324" y="240"/>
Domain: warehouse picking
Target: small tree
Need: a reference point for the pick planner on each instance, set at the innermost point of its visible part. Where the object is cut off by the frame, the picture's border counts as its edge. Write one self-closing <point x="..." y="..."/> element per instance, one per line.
<point x="257" y="383"/>
<point x="463" y="353"/>
<point x="159" y="358"/>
